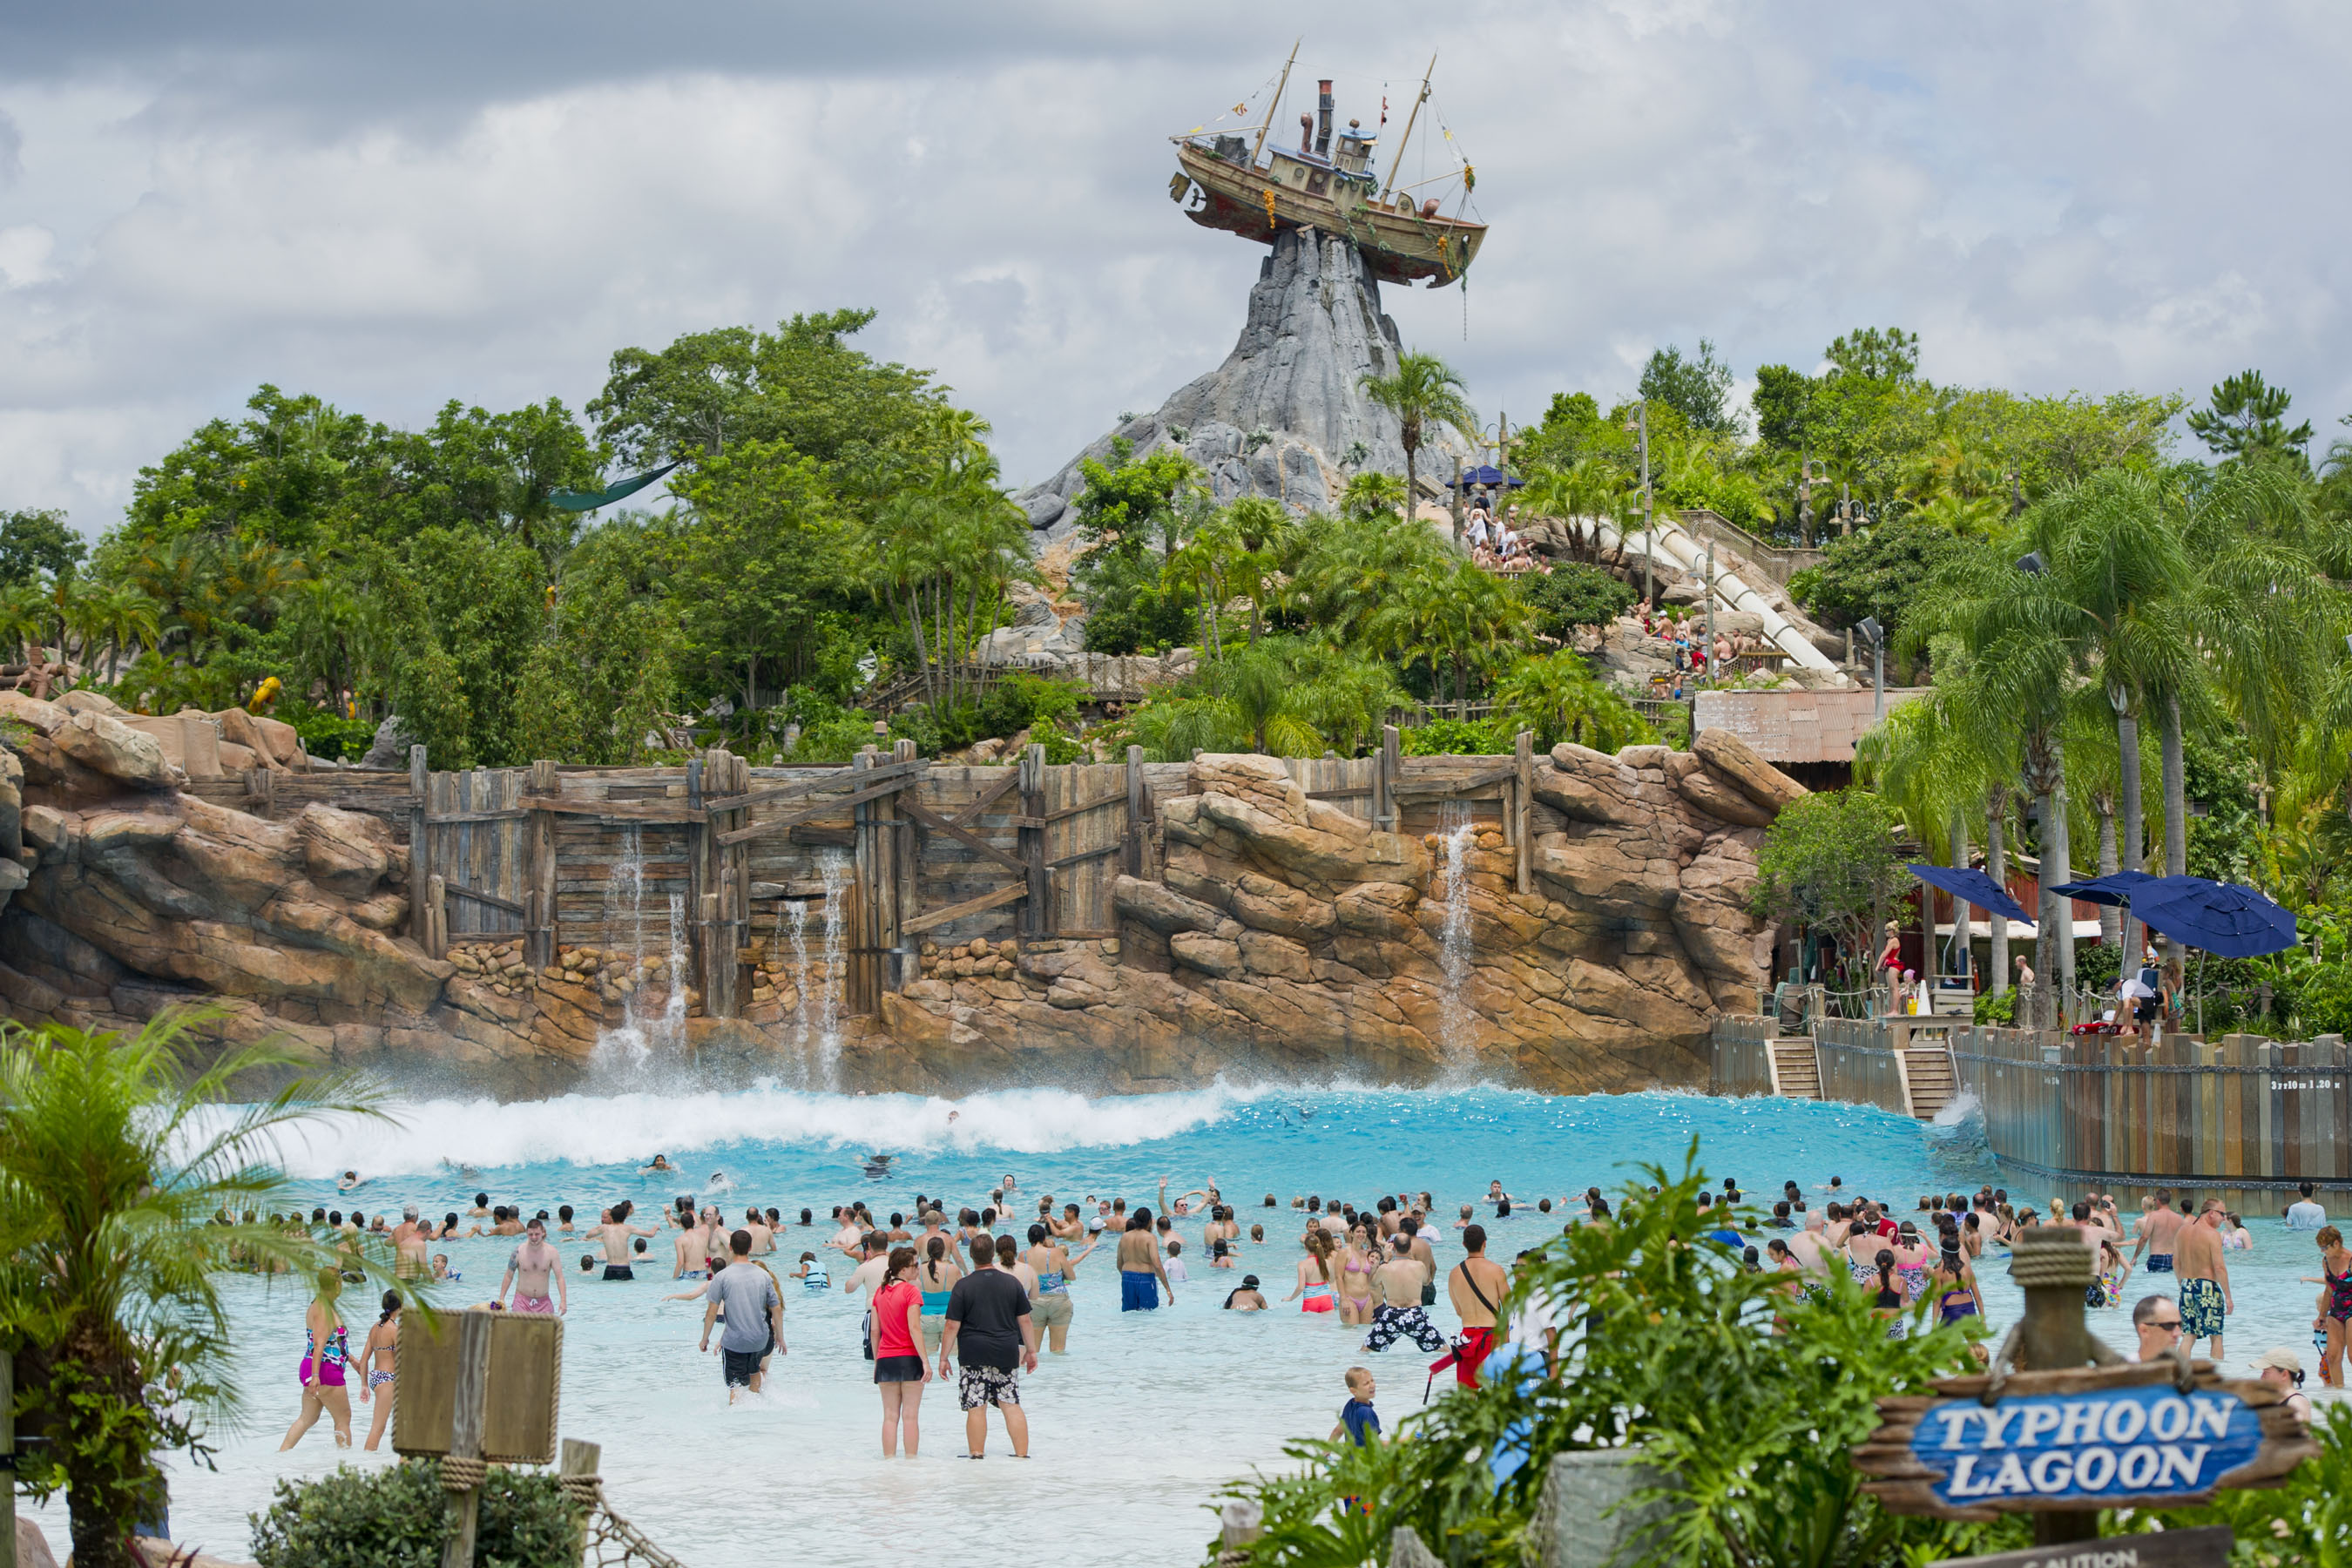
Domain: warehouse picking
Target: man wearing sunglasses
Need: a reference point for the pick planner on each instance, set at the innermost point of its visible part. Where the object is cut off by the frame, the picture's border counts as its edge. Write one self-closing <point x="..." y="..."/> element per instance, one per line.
<point x="2156" y="1320"/>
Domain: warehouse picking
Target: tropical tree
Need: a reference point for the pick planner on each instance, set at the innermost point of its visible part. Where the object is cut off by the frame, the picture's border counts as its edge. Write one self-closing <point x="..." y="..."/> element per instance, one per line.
<point x="2247" y="419"/>
<point x="123" y="1172"/>
<point x="1559" y="698"/>
<point x="1423" y="389"/>
<point x="1369" y="495"/>
<point x="1464" y="619"/>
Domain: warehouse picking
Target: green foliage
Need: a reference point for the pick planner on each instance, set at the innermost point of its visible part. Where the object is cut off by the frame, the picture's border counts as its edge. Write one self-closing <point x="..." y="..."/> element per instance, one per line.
<point x="1757" y="1446"/>
<point x="1783" y="403"/>
<point x="1369" y="495"/>
<point x="395" y="1518"/>
<point x="2300" y="1523"/>
<point x="2001" y="1009"/>
<point x="1872" y="353"/>
<point x="1421" y="392"/>
<point x="1882" y="571"/>
<point x="1572" y="595"/>
<point x="1558" y="697"/>
<point x="116" y="1157"/>
<point x="1698" y="388"/>
<point x="2246" y="420"/>
<point x="1829" y="861"/>
<point x="328" y="735"/>
<point x="1457" y="738"/>
<point x="2225" y="842"/>
<point x="37" y="543"/>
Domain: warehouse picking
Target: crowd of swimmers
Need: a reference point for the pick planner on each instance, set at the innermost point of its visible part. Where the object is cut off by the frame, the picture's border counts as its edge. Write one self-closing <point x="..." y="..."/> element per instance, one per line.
<point x="979" y="1296"/>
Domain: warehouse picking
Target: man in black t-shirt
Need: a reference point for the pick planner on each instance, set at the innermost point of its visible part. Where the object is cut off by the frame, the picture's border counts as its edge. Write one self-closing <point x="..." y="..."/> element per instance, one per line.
<point x="988" y="1331"/>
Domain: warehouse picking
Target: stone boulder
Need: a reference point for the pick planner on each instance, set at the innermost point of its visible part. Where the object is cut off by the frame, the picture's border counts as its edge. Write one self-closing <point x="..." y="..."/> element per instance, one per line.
<point x="107" y="746"/>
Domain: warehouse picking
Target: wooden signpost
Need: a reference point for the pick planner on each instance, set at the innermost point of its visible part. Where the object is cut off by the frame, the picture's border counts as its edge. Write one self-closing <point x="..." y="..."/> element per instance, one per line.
<point x="477" y="1388"/>
<point x="2078" y="1430"/>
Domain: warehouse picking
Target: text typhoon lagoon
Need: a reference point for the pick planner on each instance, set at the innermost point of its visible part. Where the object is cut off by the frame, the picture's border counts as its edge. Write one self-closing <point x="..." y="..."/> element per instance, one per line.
<point x="2133" y="1442"/>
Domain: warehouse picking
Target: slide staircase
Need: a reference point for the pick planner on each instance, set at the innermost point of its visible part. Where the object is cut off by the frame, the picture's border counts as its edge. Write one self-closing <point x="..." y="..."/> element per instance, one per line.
<point x="1677" y="545"/>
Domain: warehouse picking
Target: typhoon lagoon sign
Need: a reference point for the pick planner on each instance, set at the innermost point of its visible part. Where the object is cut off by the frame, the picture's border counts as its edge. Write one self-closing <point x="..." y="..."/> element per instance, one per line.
<point x="2112" y="1437"/>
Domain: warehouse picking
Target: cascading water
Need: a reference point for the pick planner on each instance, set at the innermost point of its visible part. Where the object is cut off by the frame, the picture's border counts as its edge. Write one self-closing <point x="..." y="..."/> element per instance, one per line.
<point x="640" y="1035"/>
<point x="1458" y="1031"/>
<point x="792" y="923"/>
<point x="832" y="870"/>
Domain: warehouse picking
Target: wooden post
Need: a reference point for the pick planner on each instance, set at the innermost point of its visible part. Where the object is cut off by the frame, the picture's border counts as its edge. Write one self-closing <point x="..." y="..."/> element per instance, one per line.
<point x="436" y="916"/>
<point x="420" y="842"/>
<point x="2052" y="1267"/>
<point x="579" y="1459"/>
<point x="466" y="1423"/>
<point x="1523" y="795"/>
<point x="905" y="893"/>
<point x="7" y="1459"/>
<point x="700" y="937"/>
<point x="539" y="876"/>
<point x="1386" y="816"/>
<point x="866" y="856"/>
<point x="1139" y="820"/>
<point x="739" y="874"/>
<point x="1039" y="919"/>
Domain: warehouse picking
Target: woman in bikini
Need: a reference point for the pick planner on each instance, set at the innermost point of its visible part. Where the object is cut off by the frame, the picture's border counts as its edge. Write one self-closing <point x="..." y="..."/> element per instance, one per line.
<point x="1913" y="1258"/>
<point x="2335" y="1302"/>
<point x="1954" y="1288"/>
<point x="1356" y="1278"/>
<point x="326" y="1350"/>
<point x="1315" y="1275"/>
<point x="376" y="1356"/>
<point x="1886" y="1298"/>
<point x="2108" y="1290"/>
<point x="936" y="1278"/>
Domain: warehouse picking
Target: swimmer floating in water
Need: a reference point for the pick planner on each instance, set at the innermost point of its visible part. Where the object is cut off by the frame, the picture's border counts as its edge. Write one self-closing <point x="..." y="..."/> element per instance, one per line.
<point x="348" y="1180"/>
<point x="661" y="1165"/>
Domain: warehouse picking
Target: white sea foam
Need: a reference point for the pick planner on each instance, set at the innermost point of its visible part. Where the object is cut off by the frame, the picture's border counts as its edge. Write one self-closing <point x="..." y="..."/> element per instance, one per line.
<point x="626" y="1128"/>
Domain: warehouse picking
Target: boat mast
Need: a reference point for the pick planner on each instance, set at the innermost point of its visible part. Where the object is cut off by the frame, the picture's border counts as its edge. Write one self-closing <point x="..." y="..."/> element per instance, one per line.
<point x="1396" y="159"/>
<point x="1278" y="89"/>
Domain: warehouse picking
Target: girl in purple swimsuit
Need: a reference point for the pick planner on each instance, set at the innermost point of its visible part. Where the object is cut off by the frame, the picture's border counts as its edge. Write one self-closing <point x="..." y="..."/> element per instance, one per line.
<point x="326" y="1350"/>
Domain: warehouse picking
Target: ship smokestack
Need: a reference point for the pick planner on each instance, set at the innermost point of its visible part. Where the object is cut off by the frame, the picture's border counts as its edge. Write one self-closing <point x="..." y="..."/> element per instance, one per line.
<point x="1323" y="118"/>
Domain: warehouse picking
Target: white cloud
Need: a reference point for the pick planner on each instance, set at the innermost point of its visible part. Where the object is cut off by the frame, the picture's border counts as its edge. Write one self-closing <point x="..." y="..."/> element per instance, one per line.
<point x="2050" y="197"/>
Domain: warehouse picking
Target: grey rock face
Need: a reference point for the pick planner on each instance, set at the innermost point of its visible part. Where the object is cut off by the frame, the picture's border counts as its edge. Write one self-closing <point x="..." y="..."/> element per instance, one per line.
<point x="1285" y="415"/>
<point x="390" y="747"/>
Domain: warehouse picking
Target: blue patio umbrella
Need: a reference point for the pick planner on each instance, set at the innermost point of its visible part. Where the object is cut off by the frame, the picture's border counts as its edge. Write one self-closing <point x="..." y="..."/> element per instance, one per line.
<point x="1968" y="883"/>
<point x="2115" y="888"/>
<point x="2228" y="919"/>
<point x="1489" y="475"/>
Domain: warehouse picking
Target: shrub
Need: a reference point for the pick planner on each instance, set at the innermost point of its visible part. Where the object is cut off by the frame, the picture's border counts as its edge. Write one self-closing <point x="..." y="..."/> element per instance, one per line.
<point x="396" y="1519"/>
<point x="328" y="735"/>
<point x="2001" y="1009"/>
<point x="1575" y="595"/>
<point x="1457" y="738"/>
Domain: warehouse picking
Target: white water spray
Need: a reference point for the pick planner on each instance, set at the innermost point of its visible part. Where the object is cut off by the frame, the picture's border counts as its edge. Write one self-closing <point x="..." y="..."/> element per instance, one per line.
<point x="791" y="923"/>
<point x="1458" y="1028"/>
<point x="829" y="1024"/>
<point x="640" y="1036"/>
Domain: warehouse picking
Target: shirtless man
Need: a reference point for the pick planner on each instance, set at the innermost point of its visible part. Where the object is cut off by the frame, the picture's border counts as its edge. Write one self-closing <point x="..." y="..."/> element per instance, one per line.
<point x="1397" y="1311"/>
<point x="482" y="1209"/>
<point x="762" y="1239"/>
<point x="1809" y="1246"/>
<point x="614" y="1229"/>
<point x="2205" y="1294"/>
<point x="408" y="1238"/>
<point x="2159" y="1230"/>
<point x="1141" y="1275"/>
<point x="690" y="1253"/>
<point x="1476" y="1287"/>
<point x="1069" y="1227"/>
<point x="1413" y="1240"/>
<point x="529" y="1271"/>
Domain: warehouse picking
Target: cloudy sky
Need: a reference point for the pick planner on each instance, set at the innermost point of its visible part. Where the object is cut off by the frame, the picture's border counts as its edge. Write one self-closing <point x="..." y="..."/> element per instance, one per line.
<point x="393" y="205"/>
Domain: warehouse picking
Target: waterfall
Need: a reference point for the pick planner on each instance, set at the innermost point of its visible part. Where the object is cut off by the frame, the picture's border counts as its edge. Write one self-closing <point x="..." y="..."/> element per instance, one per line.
<point x="1458" y="1029"/>
<point x="829" y="1029"/>
<point x="793" y="920"/>
<point x="639" y="1037"/>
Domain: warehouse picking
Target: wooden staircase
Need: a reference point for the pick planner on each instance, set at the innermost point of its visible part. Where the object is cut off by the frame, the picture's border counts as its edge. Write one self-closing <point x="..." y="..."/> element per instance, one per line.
<point x="1928" y="1081"/>
<point x="1796" y="1071"/>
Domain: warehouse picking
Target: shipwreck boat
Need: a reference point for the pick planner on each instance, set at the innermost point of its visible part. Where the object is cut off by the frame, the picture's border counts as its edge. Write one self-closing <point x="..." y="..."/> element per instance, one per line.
<point x="1231" y="183"/>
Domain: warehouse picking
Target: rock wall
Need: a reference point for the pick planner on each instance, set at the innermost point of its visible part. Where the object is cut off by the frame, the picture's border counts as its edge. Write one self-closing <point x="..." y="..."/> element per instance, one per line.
<point x="1285" y="415"/>
<point x="1282" y="938"/>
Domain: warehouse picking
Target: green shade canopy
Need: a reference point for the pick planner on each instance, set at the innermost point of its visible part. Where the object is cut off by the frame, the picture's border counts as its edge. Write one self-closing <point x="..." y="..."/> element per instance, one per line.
<point x="589" y="501"/>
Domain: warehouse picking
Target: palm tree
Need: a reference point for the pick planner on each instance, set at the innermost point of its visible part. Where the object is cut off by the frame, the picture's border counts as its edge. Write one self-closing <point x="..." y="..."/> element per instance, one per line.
<point x="1589" y="488"/>
<point x="1558" y="697"/>
<point x="1372" y="496"/>
<point x="1353" y="569"/>
<point x="1424" y="390"/>
<point x="120" y="1167"/>
<point x="1466" y="617"/>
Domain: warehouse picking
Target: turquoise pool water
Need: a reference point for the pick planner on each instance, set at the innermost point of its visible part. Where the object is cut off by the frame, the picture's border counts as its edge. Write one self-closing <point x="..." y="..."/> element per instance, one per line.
<point x="1137" y="1428"/>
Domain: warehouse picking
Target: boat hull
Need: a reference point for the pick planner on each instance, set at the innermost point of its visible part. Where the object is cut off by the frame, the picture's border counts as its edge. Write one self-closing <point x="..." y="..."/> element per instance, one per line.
<point x="1398" y="244"/>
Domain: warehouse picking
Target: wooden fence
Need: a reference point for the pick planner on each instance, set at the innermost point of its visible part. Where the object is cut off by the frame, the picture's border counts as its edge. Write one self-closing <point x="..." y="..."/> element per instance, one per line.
<point x="1740" y="1062"/>
<point x="710" y="859"/>
<point x="2242" y="1119"/>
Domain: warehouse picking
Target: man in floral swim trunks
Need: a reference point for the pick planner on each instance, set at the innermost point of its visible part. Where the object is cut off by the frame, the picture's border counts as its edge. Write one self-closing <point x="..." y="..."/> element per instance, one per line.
<point x="988" y="1332"/>
<point x="2205" y="1294"/>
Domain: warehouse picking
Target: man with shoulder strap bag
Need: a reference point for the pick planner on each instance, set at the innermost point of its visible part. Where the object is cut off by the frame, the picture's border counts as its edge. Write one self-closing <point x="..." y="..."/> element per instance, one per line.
<point x="1477" y="1284"/>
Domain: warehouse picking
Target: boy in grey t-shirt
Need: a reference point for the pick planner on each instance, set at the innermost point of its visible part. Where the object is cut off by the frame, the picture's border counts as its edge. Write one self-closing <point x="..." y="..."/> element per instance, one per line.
<point x="755" y="1317"/>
